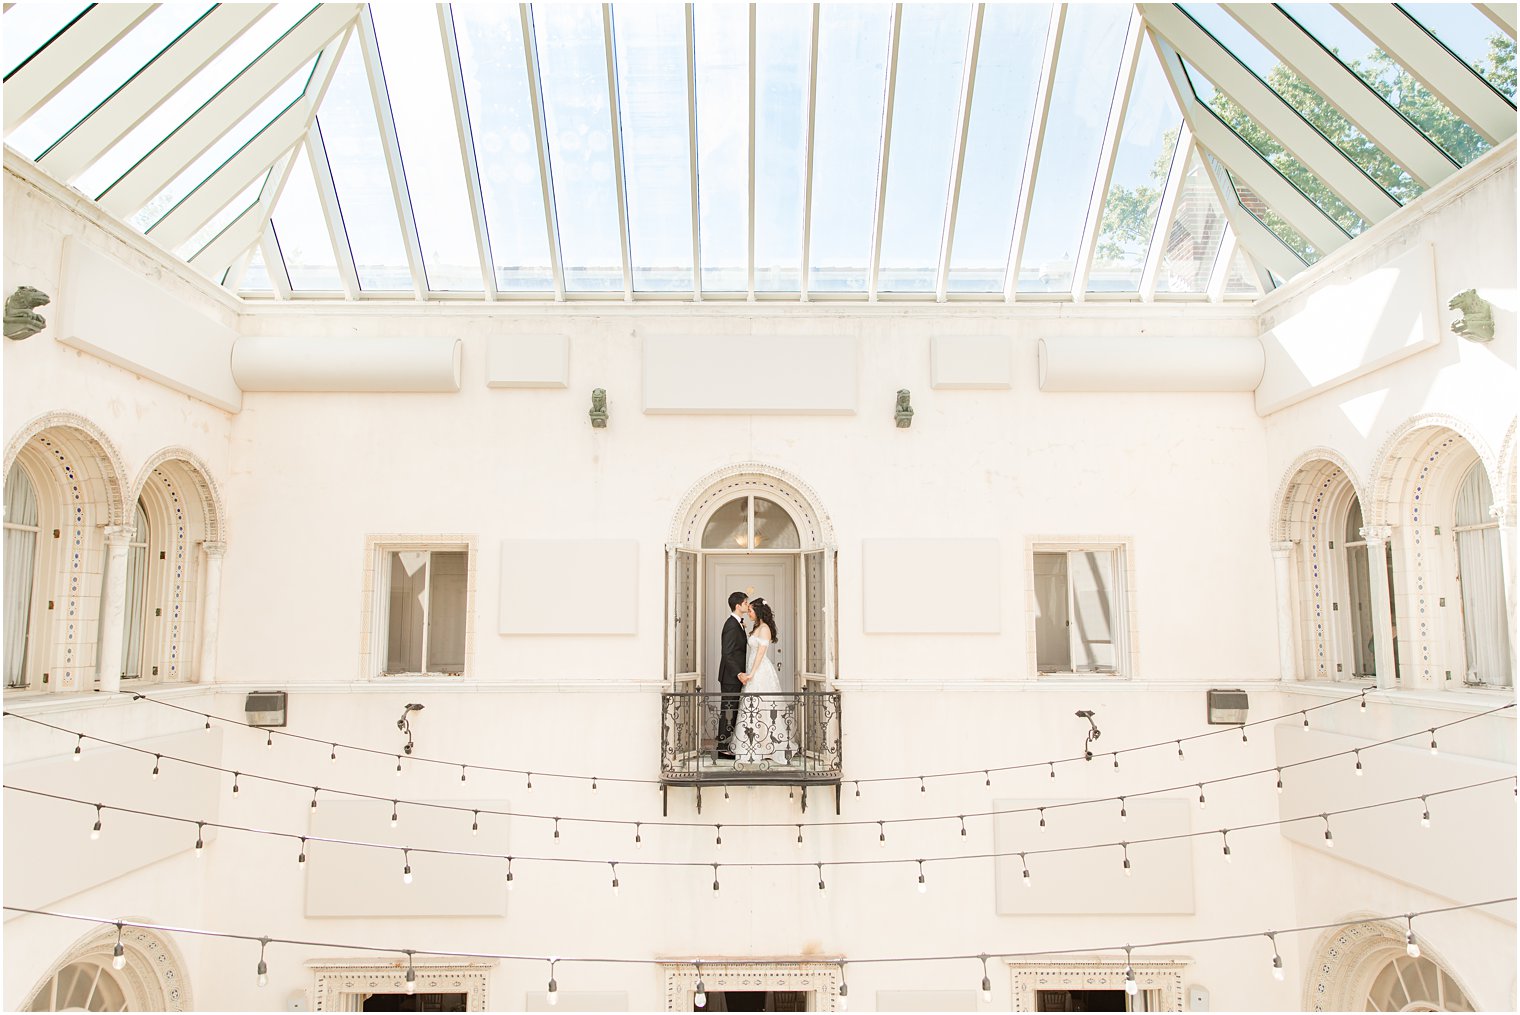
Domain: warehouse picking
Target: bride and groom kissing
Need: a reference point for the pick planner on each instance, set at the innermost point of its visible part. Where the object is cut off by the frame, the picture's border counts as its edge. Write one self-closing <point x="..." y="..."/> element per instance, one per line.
<point x="748" y="732"/>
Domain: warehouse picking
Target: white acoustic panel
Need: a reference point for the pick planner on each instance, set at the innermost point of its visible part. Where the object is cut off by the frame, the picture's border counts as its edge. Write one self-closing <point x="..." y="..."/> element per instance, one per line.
<point x="361" y="881"/>
<point x="932" y="586"/>
<point x="1343" y="330"/>
<point x="759" y="375"/>
<point x="528" y="361"/>
<point x="1091" y="882"/>
<point x="126" y="318"/>
<point x="1147" y="363"/>
<point x="926" y="1000"/>
<point x="569" y="586"/>
<point x="406" y="363"/>
<point x="971" y="361"/>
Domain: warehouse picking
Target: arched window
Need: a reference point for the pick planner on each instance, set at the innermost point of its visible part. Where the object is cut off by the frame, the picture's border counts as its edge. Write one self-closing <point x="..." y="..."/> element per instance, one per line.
<point x="1359" y="596"/>
<point x="1415" y="984"/>
<point x="20" y="571"/>
<point x="750" y="523"/>
<point x="133" y="616"/>
<point x="1485" y="623"/>
<point x="86" y="985"/>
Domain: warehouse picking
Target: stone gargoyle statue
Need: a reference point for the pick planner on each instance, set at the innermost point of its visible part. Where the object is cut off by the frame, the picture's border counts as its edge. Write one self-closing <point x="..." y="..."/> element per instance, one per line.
<point x="599" y="408"/>
<point x="904" y="413"/>
<point x="21" y="320"/>
<point x="1476" y="324"/>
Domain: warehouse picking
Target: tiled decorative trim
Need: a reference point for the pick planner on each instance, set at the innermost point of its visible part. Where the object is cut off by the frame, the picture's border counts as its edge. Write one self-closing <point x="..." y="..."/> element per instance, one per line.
<point x="341" y="983"/>
<point x="1162" y="979"/>
<point x="154" y="978"/>
<point x="821" y="978"/>
<point x="717" y="488"/>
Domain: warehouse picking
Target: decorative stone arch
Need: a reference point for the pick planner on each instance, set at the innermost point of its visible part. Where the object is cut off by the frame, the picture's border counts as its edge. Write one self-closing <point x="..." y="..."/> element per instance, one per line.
<point x="190" y="473"/>
<point x="154" y="977"/>
<point x="1505" y="491"/>
<point x="1346" y="960"/>
<point x="718" y="488"/>
<point x="1414" y="455"/>
<point x="1300" y="478"/>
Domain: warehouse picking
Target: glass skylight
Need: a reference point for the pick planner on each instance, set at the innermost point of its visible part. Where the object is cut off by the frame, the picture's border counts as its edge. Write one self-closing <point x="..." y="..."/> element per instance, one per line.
<point x="1263" y="213"/>
<point x="256" y="275"/>
<point x="1239" y="282"/>
<point x="1197" y="229"/>
<point x="783" y="42"/>
<point x="1478" y="41"/>
<point x="301" y="232"/>
<point x="722" y="75"/>
<point x="222" y="219"/>
<point x="30" y="27"/>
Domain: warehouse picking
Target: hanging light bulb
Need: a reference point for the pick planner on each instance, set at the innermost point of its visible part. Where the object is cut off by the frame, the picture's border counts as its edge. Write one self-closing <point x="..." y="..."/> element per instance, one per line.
<point x="79" y="747"/>
<point x="715" y="877"/>
<point x="923" y="886"/>
<point x="1180" y="756"/>
<point x="1358" y="763"/>
<point x="398" y="766"/>
<point x="1279" y="782"/>
<point x="119" y="953"/>
<point x="462" y="776"/>
<point x="986" y="981"/>
<point x="857" y="788"/>
<point x="553" y="986"/>
<point x="1225" y="834"/>
<point x="208" y="724"/>
<point x="921" y="787"/>
<point x="1202" y="803"/>
<point x="1123" y="810"/>
<point x="822" y="888"/>
<point x="509" y="874"/>
<point x="269" y="741"/>
<point x="1329" y="839"/>
<point x="406" y="871"/>
<point x="1433" y="751"/>
<point x="301" y="859"/>
<point x="593" y="785"/>
<point x="411" y="974"/>
<point x="395" y="815"/>
<point x="263" y="968"/>
<point x="530" y="782"/>
<point x="1364" y="701"/>
<point x="334" y="755"/>
<point x="556" y="831"/>
<point x="1042" y="819"/>
<point x="1306" y="719"/>
<point x="474" y="822"/>
<point x="1411" y="946"/>
<point x="1131" y="986"/>
<point x="1116" y="761"/>
<point x="1028" y="881"/>
<point x="701" y="998"/>
<point x="799" y="836"/>
<point x="95" y="832"/>
<point x="638" y="835"/>
<point x="200" y="841"/>
<point x="1278" y="973"/>
<point x="963" y="826"/>
<point x="881" y="839"/>
<point x="1127" y="869"/>
<point x="1424" y="813"/>
<point x="614" y="879"/>
<point x="718" y="836"/>
<point x="1052" y="769"/>
<point x="235" y="784"/>
<point x="844" y="990"/>
<point x="988" y="776"/>
<point x="156" y="759"/>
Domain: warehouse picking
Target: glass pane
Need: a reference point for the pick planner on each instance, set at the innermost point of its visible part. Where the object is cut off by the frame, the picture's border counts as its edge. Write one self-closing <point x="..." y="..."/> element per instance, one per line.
<point x="423" y="109"/>
<point x="356" y="160"/>
<point x="1294" y="171"/>
<point x="1391" y="80"/>
<point x="1309" y="103"/>
<point x="403" y="646"/>
<point x="256" y="275"/>
<point x="1359" y="589"/>
<point x="1141" y="166"/>
<point x="651" y="70"/>
<point x="100" y="78"/>
<point x="774" y="528"/>
<point x="925" y="111"/>
<point x="728" y="528"/>
<point x="30" y="26"/>
<point x="573" y="65"/>
<point x="1240" y="282"/>
<point x="1080" y="99"/>
<point x="1002" y="105"/>
<point x="1052" y="637"/>
<point x="722" y="69"/>
<point x="211" y="79"/>
<point x="20" y="498"/>
<point x="221" y="220"/>
<point x="225" y="147"/>
<point x="506" y="147"/>
<point x="852" y="76"/>
<point x="1474" y="38"/>
<point x="1258" y="209"/>
<point x="783" y="38"/>
<point x="136" y="587"/>
<point x="1192" y="243"/>
<point x="447" y="600"/>
<point x="1094" y="616"/>
<point x="301" y="230"/>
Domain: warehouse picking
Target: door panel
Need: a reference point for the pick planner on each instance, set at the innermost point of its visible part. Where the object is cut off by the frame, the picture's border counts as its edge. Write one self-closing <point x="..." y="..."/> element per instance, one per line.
<point x="771" y="577"/>
<point x="688" y="660"/>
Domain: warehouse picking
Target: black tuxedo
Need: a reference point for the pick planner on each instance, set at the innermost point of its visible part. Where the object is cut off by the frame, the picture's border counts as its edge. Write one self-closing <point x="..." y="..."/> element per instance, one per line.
<point x="735" y="649"/>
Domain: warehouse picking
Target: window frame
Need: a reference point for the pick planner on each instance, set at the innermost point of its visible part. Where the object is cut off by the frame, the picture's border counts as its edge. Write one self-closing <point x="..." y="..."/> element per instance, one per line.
<point x="375" y="629"/>
<point x="1125" y="630"/>
<point x="31" y="663"/>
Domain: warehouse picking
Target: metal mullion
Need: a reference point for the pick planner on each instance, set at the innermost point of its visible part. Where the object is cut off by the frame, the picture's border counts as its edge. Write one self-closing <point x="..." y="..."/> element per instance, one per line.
<point x="541" y="138"/>
<point x="148" y="89"/>
<point x="1344" y="89"/>
<point x="807" y="158"/>
<point x="254" y="83"/>
<point x="1502" y="15"/>
<point x="893" y="48"/>
<point x="614" y="111"/>
<point x="1252" y="233"/>
<point x="455" y="75"/>
<point x="391" y="145"/>
<point x="274" y="263"/>
<point x="1276" y="116"/>
<point x="750" y="242"/>
<point x="1219" y="277"/>
<point x="223" y="248"/>
<point x="1034" y="148"/>
<point x="327" y="194"/>
<point x="60" y="61"/>
<point x="1182" y="154"/>
<point x="1447" y="75"/>
<point x="1093" y="224"/>
<point x="962" y="130"/>
<point x="690" y="55"/>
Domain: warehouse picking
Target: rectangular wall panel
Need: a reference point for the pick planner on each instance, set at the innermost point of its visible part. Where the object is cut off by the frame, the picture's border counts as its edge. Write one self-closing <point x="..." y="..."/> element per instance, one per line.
<point x="527" y="361"/>
<point x="932" y="586"/>
<point x="971" y="361"/>
<point x="762" y="375"/>
<point x="569" y="586"/>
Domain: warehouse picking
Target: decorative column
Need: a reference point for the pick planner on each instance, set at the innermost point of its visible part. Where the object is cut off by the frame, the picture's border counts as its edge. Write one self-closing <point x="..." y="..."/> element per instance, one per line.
<point x="1377" y="537"/>
<point x="1504" y="514"/>
<point x="1282" y="569"/>
<point x="113" y="605"/>
<point x="211" y="606"/>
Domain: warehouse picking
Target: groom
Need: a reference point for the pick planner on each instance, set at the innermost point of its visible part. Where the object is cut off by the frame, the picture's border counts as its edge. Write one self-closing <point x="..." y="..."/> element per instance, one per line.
<point x="731" y="671"/>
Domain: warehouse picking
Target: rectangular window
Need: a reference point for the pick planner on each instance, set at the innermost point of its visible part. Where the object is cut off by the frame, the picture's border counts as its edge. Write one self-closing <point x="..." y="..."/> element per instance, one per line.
<point x="426" y="601"/>
<point x="1081" y="620"/>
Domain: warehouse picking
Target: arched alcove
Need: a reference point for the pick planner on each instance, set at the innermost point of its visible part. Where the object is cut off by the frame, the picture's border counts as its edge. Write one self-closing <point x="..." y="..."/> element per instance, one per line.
<point x="1361" y="965"/>
<point x="152" y="979"/>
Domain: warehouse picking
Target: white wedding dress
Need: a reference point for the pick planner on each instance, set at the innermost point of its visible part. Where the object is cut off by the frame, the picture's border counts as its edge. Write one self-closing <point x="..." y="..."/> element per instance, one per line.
<point x="763" y="731"/>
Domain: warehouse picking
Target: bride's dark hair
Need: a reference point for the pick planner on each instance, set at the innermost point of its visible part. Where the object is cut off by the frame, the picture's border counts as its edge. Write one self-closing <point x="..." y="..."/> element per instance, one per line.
<point x="764" y="615"/>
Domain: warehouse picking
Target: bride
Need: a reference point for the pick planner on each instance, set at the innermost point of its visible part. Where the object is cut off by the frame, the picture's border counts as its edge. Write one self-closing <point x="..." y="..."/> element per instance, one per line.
<point x="765" y="715"/>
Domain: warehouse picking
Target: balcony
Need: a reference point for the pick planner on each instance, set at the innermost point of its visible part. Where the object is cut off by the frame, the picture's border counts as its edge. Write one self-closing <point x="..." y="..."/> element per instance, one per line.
<point x="790" y="739"/>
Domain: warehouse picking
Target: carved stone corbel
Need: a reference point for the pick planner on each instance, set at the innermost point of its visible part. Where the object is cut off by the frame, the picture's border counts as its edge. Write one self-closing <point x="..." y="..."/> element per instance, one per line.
<point x="21" y="319"/>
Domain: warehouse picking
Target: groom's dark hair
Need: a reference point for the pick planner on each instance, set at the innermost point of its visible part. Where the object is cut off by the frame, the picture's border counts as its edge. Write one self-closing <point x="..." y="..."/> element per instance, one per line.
<point x="734" y="599"/>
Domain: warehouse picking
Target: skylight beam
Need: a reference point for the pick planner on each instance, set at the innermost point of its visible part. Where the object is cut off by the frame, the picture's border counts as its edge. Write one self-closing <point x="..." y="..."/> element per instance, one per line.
<point x="613" y="111"/>
<point x="893" y="48"/>
<point x="1260" y="242"/>
<point x="1272" y="112"/>
<point x="337" y="231"/>
<point x="212" y="259"/>
<point x="274" y="263"/>
<point x="386" y="121"/>
<point x="1093" y="224"/>
<point x="749" y="260"/>
<point x="135" y="100"/>
<point x="460" y="104"/>
<point x="541" y="140"/>
<point x="1447" y="76"/>
<point x="1502" y="15"/>
<point x="807" y="155"/>
<point x="55" y="65"/>
<point x="1032" y="151"/>
<point x="958" y="164"/>
<point x="223" y="110"/>
<point x="1182" y="152"/>
<point x="689" y="53"/>
<point x="1220" y="276"/>
<point x="1347" y="92"/>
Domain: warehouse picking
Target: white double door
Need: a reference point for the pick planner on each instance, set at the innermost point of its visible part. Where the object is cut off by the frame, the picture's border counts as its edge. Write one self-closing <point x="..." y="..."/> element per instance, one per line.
<point x="768" y="576"/>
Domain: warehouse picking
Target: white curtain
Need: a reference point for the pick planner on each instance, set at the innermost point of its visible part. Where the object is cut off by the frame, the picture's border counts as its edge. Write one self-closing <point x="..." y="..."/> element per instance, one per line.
<point x="1485" y="620"/>
<point x="1094" y="618"/>
<point x="1052" y="637"/>
<point x="20" y="564"/>
<point x="134" y="613"/>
